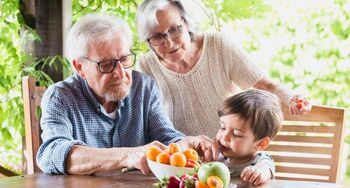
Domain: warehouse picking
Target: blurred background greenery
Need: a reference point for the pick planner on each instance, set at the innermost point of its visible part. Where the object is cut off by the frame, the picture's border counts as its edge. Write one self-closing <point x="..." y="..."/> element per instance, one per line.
<point x="304" y="44"/>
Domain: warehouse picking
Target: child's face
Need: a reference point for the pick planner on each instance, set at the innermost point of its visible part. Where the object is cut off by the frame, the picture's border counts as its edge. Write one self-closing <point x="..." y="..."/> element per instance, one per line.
<point x="235" y="137"/>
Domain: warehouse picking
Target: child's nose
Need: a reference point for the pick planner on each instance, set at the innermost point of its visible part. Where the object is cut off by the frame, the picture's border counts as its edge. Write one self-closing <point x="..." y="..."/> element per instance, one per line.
<point x="227" y="137"/>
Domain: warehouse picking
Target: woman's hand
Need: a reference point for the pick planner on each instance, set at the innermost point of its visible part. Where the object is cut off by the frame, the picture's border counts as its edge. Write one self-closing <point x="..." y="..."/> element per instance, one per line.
<point x="299" y="105"/>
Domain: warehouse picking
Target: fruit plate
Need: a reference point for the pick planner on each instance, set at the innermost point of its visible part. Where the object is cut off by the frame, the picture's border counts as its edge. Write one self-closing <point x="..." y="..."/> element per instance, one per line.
<point x="160" y="170"/>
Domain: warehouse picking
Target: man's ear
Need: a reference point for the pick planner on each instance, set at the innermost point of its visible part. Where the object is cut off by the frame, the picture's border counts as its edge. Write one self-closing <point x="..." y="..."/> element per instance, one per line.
<point x="263" y="143"/>
<point x="78" y="66"/>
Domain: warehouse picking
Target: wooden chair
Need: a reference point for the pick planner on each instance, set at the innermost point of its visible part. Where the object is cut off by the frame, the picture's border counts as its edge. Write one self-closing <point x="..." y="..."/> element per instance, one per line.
<point x="310" y="147"/>
<point x="32" y="95"/>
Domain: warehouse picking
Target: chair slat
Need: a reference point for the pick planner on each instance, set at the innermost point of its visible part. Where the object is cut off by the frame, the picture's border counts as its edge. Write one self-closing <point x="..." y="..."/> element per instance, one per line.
<point x="300" y="149"/>
<point x="302" y="160"/>
<point x="39" y="92"/>
<point x="299" y="170"/>
<point x="31" y="95"/>
<point x="308" y="129"/>
<point x="294" y="153"/>
<point x="300" y="179"/>
<point x="319" y="114"/>
<point x="307" y="139"/>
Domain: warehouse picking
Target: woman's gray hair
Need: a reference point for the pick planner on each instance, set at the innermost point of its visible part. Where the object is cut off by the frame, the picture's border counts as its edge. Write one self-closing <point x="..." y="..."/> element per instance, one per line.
<point x="146" y="19"/>
<point x="94" y="29"/>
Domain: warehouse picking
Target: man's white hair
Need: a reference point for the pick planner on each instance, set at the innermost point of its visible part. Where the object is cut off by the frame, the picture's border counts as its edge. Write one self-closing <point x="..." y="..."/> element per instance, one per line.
<point x="94" y="29"/>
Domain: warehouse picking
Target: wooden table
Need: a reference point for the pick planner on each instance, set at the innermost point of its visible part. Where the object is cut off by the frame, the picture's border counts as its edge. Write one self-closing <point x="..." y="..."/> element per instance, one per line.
<point x="132" y="179"/>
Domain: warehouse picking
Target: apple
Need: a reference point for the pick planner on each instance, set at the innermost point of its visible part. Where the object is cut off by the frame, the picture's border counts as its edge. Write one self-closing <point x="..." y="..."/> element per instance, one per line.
<point x="214" y="169"/>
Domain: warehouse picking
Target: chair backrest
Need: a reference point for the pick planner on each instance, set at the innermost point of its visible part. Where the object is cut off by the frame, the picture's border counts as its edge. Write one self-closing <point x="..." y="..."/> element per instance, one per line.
<point x="310" y="147"/>
<point x="32" y="95"/>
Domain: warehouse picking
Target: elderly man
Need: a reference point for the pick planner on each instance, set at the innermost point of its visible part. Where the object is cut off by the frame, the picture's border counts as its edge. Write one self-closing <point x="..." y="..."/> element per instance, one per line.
<point x="100" y="118"/>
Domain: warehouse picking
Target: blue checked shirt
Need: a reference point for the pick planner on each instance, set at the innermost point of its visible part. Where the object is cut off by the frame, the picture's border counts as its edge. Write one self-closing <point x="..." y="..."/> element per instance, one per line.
<point x="71" y="115"/>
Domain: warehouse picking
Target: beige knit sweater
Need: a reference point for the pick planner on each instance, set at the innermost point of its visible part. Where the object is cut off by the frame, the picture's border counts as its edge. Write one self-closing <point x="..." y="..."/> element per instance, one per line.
<point x="192" y="99"/>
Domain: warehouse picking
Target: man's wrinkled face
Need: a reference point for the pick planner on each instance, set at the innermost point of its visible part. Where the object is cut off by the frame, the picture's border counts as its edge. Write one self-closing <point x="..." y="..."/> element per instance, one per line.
<point x="113" y="86"/>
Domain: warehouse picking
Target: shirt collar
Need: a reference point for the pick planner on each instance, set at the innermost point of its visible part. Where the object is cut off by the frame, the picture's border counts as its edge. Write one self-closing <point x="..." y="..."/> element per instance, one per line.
<point x="92" y="98"/>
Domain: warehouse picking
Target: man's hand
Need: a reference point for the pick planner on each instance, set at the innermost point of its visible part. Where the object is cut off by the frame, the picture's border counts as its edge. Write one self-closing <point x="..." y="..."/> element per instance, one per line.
<point x="257" y="174"/>
<point x="299" y="105"/>
<point x="207" y="149"/>
<point x="137" y="156"/>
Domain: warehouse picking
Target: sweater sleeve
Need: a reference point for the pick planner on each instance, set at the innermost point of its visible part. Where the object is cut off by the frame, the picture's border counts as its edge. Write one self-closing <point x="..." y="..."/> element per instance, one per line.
<point x="267" y="160"/>
<point x="241" y="69"/>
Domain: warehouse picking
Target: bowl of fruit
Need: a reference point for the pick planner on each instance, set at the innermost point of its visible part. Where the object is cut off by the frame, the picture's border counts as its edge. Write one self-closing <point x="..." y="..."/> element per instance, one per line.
<point x="171" y="161"/>
<point x="177" y="168"/>
<point x="209" y="175"/>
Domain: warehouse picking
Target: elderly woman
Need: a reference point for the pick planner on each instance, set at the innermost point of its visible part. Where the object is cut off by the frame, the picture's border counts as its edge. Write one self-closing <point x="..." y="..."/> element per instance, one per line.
<point x="196" y="72"/>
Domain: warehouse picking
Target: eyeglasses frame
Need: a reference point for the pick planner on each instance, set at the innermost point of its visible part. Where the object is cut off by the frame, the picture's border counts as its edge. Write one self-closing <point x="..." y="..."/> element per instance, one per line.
<point x="115" y="61"/>
<point x="167" y="35"/>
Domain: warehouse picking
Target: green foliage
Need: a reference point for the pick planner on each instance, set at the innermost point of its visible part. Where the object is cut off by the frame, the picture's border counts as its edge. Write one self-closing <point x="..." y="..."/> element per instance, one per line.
<point x="307" y="50"/>
<point x="218" y="11"/>
<point x="11" y="117"/>
<point x="225" y="11"/>
<point x="13" y="66"/>
<point x="323" y="73"/>
<point x="339" y="31"/>
<point x="312" y="54"/>
<point x="124" y="9"/>
<point x="238" y="9"/>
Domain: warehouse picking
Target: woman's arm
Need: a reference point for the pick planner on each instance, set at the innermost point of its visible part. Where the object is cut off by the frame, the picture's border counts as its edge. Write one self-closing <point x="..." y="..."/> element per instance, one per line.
<point x="286" y="95"/>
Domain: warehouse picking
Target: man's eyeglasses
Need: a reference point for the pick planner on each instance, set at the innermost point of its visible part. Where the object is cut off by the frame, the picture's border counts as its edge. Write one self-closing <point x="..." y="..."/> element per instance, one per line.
<point x="159" y="38"/>
<point x="108" y="66"/>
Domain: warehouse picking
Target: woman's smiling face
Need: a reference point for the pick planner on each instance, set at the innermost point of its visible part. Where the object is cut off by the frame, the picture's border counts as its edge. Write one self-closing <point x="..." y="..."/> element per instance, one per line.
<point x="172" y="50"/>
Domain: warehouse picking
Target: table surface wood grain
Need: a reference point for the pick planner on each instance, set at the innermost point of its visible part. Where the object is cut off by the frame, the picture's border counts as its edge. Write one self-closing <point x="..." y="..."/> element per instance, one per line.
<point x="133" y="179"/>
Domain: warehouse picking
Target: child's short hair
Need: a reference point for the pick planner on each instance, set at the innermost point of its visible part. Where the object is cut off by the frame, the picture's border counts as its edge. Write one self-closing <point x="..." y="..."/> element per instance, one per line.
<point x="261" y="109"/>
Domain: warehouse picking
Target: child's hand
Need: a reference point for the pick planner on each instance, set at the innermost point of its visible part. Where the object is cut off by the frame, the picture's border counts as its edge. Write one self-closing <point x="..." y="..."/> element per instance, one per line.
<point x="207" y="149"/>
<point x="257" y="174"/>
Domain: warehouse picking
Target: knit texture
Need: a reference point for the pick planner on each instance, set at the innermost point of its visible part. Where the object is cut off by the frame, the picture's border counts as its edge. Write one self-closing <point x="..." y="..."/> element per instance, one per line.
<point x="192" y="99"/>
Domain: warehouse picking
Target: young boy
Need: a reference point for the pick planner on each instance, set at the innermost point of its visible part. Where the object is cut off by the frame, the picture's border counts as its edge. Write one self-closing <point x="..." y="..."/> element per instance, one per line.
<point x="249" y="121"/>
